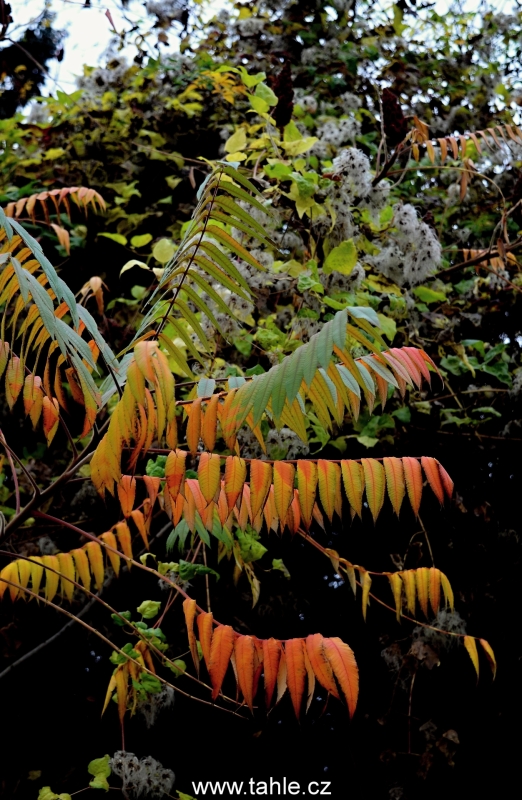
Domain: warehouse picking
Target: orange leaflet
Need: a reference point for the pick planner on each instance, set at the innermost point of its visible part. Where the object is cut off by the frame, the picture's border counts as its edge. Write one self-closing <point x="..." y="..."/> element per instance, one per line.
<point x="121" y="678"/>
<point x="235" y="476"/>
<point x="245" y="649"/>
<point x="33" y="395"/>
<point x="110" y="539"/>
<point x="152" y="484"/>
<point x="136" y="382"/>
<point x="375" y="482"/>
<point x="260" y="481"/>
<point x="311" y="679"/>
<point x="194" y="425"/>
<point x="408" y="577"/>
<point x="126" y="494"/>
<point x="320" y="664"/>
<point x="329" y="479"/>
<point x="306" y="485"/>
<point x="431" y="470"/>
<point x="395" y="482"/>
<point x="446" y="480"/>
<point x="413" y="476"/>
<point x="139" y="521"/>
<point x="271" y="657"/>
<point x="189" y="609"/>
<point x="353" y="479"/>
<point x="293" y="516"/>
<point x="284" y="476"/>
<point x="144" y="353"/>
<point x="175" y="472"/>
<point x="344" y="666"/>
<point x="209" y="423"/>
<point x="220" y="652"/>
<point x="51" y="417"/>
<point x="14" y="380"/>
<point x="124" y="538"/>
<point x="205" y="627"/>
<point x="296" y="672"/>
<point x="209" y="476"/>
<point x="366" y="583"/>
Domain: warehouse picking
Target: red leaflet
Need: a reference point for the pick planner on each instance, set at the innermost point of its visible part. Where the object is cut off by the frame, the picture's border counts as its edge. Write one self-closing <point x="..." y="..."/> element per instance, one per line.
<point x="296" y="672"/>
<point x="221" y="650"/>
<point x="344" y="666"/>
<point x="189" y="609"/>
<point x="245" y="651"/>
<point x="205" y="628"/>
<point x="271" y="657"/>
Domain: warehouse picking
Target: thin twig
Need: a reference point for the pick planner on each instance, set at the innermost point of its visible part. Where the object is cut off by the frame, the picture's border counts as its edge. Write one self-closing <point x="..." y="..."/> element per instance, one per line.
<point x="48" y="641"/>
<point x="427" y="541"/>
<point x="409" y="711"/>
<point x="14" y="474"/>
<point x="206" y="578"/>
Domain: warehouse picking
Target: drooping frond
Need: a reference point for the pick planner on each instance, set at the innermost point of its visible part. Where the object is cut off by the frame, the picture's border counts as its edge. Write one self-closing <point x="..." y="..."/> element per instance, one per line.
<point x="281" y="495"/>
<point x="455" y="146"/>
<point x="285" y="665"/>
<point x="322" y="373"/>
<point x="205" y="263"/>
<point x="84" y="565"/>
<point x="46" y="338"/>
<point x="59" y="198"/>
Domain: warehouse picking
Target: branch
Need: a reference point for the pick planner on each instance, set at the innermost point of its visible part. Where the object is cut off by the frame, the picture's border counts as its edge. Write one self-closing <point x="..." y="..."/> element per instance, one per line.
<point x="485" y="256"/>
<point x="44" y="495"/>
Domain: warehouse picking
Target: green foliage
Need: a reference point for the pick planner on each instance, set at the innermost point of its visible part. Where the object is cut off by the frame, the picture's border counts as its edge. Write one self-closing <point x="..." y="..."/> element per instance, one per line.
<point x="100" y="769"/>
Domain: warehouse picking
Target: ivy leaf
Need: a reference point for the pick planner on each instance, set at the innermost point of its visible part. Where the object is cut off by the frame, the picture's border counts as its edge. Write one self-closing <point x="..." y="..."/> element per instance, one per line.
<point x="402" y="414"/>
<point x="163" y="251"/>
<point x="250" y="548"/>
<point x="150" y="683"/>
<point x="486" y="410"/>
<point x="250" y="81"/>
<point x="133" y="263"/>
<point x="117" y="618"/>
<point x="178" y="667"/>
<point x="141" y="241"/>
<point x="277" y="563"/>
<point x="278" y="170"/>
<point x="46" y="793"/>
<point x="99" y="767"/>
<point x="258" y="104"/>
<point x="187" y="570"/>
<point x="156" y="468"/>
<point x="367" y="441"/>
<point x="236" y="142"/>
<point x="306" y="282"/>
<point x="149" y="609"/>
<point x="115" y="237"/>
<point x="427" y="295"/>
<point x="265" y="93"/>
<point x="341" y="259"/>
